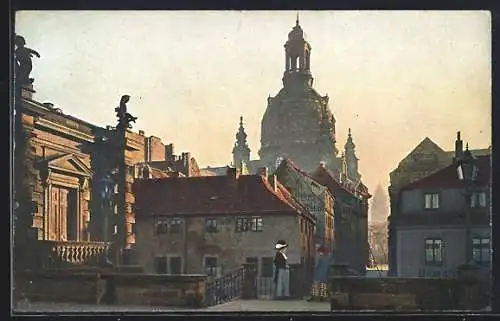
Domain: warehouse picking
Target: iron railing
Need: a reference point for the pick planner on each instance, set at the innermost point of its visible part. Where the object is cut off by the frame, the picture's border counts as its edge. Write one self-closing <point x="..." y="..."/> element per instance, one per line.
<point x="225" y="288"/>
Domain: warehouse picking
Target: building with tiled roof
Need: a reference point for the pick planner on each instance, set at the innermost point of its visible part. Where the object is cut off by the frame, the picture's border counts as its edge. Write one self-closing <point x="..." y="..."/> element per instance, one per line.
<point x="427" y="230"/>
<point x="350" y="218"/>
<point x="314" y="196"/>
<point x="214" y="224"/>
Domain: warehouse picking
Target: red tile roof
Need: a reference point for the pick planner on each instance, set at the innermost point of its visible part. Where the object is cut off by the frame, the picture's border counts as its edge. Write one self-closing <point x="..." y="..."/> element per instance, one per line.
<point x="326" y="178"/>
<point x="448" y="177"/>
<point x="250" y="194"/>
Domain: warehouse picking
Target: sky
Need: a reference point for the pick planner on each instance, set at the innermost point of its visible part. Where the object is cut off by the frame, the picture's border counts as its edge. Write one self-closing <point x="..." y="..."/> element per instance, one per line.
<point x="393" y="77"/>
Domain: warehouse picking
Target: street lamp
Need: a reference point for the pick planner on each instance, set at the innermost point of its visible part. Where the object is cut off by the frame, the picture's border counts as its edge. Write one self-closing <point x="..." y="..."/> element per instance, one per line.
<point x="467" y="172"/>
<point x="106" y="192"/>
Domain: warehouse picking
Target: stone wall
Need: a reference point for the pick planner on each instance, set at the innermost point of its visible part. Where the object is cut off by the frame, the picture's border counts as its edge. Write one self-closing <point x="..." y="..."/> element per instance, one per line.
<point x="429" y="293"/>
<point x="57" y="286"/>
<point x="157" y="290"/>
<point x="107" y="287"/>
<point x="230" y="247"/>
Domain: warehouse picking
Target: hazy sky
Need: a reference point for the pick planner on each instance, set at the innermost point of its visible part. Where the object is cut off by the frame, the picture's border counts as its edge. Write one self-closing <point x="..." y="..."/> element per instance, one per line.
<point x="393" y="77"/>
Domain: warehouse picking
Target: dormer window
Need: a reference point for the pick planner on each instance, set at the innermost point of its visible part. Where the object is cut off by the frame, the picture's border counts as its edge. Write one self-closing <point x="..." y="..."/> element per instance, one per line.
<point x="431" y="201"/>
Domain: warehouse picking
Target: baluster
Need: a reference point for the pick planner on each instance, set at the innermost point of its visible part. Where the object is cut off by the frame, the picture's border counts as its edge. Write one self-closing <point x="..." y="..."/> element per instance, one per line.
<point x="81" y="253"/>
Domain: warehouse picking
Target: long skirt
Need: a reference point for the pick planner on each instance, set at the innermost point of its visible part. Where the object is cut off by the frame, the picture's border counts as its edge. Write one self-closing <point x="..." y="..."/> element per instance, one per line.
<point x="283" y="283"/>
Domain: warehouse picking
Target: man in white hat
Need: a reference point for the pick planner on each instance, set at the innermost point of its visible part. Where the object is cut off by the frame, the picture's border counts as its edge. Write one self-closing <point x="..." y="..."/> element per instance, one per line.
<point x="282" y="273"/>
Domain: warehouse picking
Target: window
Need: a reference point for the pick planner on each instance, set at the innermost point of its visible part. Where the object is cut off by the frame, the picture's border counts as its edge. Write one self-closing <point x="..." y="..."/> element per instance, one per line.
<point x="267" y="267"/>
<point x="175" y="225"/>
<point x="257" y="224"/>
<point x="434" y="251"/>
<point x="161" y="265"/>
<point x="242" y="224"/>
<point x="481" y="249"/>
<point x="211" y="225"/>
<point x="175" y="265"/>
<point x="431" y="201"/>
<point x="161" y="226"/>
<point x="478" y="199"/>
<point x="211" y="265"/>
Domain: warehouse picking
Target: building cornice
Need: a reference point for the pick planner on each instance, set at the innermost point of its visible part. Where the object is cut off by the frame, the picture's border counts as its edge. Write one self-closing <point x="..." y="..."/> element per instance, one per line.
<point x="42" y="122"/>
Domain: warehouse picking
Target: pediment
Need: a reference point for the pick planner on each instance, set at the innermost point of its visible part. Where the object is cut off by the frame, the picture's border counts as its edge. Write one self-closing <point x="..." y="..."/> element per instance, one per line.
<point x="69" y="163"/>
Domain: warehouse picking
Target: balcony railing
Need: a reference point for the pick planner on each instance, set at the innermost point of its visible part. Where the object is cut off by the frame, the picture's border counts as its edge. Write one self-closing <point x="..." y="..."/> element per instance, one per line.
<point x="68" y="253"/>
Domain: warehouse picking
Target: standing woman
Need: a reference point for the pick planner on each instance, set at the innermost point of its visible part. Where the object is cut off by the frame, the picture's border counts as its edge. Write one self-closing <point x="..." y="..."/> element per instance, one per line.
<point x="282" y="273"/>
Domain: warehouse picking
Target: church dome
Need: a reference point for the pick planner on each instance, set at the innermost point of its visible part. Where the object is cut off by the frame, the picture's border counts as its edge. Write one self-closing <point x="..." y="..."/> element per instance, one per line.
<point x="297" y="123"/>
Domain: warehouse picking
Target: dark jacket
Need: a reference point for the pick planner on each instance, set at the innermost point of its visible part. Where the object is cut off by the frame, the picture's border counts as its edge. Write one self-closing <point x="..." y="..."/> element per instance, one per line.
<point x="279" y="263"/>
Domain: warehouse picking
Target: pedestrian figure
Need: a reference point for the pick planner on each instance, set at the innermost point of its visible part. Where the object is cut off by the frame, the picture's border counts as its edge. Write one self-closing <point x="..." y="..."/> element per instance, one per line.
<point x="319" y="288"/>
<point x="282" y="272"/>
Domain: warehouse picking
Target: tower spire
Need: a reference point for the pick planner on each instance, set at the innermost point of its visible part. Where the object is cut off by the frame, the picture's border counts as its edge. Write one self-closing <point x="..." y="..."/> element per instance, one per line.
<point x="297" y="20"/>
<point x="241" y="151"/>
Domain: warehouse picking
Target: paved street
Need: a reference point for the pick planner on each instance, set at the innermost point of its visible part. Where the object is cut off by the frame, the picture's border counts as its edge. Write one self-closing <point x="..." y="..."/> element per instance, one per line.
<point x="237" y="305"/>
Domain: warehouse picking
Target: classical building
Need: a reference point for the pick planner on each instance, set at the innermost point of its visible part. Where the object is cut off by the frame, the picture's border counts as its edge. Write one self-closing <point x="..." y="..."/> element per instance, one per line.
<point x="214" y="224"/>
<point x="430" y="225"/>
<point x="425" y="159"/>
<point x="314" y="197"/>
<point x="61" y="167"/>
<point x="298" y="124"/>
<point x="350" y="218"/>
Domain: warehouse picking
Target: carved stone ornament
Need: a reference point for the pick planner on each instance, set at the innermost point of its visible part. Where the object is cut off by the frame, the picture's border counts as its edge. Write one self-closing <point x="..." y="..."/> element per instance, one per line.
<point x="23" y="56"/>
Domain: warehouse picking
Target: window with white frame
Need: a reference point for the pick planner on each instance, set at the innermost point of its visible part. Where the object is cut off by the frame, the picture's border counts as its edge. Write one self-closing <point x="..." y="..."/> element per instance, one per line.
<point x="431" y="200"/>
<point x="481" y="249"/>
<point x="175" y="224"/>
<point x="478" y="199"/>
<point x="434" y="251"/>
<point x="211" y="265"/>
<point x="211" y="225"/>
<point x="161" y="226"/>
<point x="256" y="224"/>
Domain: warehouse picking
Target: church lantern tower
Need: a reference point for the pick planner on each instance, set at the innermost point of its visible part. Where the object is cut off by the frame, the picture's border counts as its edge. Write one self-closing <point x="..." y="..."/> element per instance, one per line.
<point x="298" y="123"/>
<point x="241" y="151"/>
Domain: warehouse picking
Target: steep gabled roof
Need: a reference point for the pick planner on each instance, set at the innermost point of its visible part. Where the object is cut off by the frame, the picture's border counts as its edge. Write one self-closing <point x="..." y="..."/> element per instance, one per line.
<point x="448" y="177"/>
<point x="211" y="195"/>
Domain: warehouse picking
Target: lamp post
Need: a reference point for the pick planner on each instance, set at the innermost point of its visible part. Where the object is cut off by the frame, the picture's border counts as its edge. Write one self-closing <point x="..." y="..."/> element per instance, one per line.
<point x="466" y="173"/>
<point x="106" y="191"/>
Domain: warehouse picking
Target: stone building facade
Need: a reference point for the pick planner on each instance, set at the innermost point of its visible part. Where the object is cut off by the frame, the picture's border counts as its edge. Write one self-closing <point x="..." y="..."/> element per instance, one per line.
<point x="214" y="224"/>
<point x="68" y="157"/>
<point x="313" y="196"/>
<point x="425" y="159"/>
<point x="350" y="218"/>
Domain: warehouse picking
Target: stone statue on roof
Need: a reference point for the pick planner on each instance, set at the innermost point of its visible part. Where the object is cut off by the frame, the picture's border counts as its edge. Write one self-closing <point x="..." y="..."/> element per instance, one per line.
<point x="23" y="57"/>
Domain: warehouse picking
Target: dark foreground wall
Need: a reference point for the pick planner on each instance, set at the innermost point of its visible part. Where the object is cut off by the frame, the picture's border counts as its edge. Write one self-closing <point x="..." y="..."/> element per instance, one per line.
<point x="112" y="288"/>
<point x="429" y="293"/>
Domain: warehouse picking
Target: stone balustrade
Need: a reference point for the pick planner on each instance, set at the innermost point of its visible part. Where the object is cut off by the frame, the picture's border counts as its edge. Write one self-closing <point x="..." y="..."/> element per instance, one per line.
<point x="57" y="253"/>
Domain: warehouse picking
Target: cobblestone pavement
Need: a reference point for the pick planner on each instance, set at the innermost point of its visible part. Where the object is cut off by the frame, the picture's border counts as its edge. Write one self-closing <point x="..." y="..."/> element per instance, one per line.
<point x="237" y="305"/>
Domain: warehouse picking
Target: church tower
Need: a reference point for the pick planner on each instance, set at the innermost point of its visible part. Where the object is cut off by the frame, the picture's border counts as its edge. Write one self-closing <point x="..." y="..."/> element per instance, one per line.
<point x="351" y="159"/>
<point x="297" y="123"/>
<point x="241" y="151"/>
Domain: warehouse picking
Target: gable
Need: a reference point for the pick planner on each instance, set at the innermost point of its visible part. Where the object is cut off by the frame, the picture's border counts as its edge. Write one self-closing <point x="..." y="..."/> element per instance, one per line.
<point x="68" y="163"/>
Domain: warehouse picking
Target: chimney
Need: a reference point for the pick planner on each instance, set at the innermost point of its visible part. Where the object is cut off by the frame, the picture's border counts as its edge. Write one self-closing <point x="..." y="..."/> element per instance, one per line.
<point x="263" y="172"/>
<point x="169" y="152"/>
<point x="459" y="148"/>
<point x="141" y="132"/>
